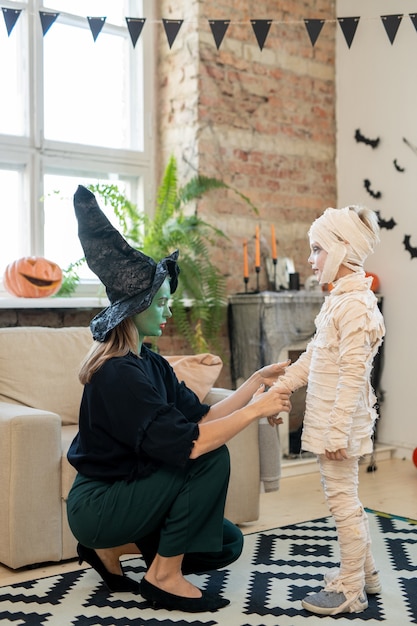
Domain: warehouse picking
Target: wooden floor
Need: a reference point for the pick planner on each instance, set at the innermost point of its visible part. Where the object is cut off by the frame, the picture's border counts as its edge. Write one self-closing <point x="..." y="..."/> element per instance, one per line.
<point x="392" y="488"/>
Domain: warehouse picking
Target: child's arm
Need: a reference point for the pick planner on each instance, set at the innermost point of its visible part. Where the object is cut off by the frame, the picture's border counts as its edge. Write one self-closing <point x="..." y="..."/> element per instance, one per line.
<point x="296" y="375"/>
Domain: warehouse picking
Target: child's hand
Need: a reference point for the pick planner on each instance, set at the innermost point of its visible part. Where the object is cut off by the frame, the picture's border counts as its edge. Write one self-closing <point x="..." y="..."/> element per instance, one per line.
<point x="273" y="421"/>
<point x="337" y="455"/>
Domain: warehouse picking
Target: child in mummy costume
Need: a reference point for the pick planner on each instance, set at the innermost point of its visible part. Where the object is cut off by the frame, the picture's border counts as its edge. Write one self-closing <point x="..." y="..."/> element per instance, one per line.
<point x="340" y="404"/>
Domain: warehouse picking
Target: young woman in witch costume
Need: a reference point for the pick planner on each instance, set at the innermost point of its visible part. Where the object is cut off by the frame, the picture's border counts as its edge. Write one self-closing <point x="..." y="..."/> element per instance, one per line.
<point x="152" y="467"/>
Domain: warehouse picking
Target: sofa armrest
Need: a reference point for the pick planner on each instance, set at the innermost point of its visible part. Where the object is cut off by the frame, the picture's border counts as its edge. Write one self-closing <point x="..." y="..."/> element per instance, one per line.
<point x="30" y="485"/>
<point x="216" y="394"/>
<point x="242" y="503"/>
<point x="243" y="495"/>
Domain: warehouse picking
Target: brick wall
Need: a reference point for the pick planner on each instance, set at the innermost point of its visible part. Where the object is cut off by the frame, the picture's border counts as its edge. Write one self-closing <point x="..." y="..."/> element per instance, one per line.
<point x="263" y="121"/>
<point x="52" y="318"/>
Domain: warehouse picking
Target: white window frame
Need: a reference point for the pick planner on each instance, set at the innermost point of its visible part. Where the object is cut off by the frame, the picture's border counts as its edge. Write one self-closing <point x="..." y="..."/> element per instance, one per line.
<point x="35" y="155"/>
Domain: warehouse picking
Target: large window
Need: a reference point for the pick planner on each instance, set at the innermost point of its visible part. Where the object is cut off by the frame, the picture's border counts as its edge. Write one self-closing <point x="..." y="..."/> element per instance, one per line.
<point x="73" y="110"/>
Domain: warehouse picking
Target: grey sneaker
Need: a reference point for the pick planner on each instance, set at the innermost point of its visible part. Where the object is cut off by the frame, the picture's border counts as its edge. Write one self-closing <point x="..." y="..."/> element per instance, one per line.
<point x="333" y="602"/>
<point x="372" y="581"/>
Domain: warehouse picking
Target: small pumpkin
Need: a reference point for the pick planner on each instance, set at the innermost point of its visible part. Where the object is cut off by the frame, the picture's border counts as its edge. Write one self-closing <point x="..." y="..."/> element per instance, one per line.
<point x="32" y="277"/>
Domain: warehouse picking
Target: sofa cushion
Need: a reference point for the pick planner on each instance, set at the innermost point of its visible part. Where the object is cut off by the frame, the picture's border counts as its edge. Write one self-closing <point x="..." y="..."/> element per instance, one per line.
<point x="39" y="368"/>
<point x="198" y="371"/>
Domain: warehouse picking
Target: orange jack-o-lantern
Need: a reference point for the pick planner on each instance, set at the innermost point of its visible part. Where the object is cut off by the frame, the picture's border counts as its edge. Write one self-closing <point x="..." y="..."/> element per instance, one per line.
<point x="32" y="277"/>
<point x="375" y="285"/>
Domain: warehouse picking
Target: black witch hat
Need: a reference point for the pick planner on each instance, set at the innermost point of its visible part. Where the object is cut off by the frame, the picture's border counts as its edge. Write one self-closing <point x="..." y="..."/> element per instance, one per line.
<point x="131" y="278"/>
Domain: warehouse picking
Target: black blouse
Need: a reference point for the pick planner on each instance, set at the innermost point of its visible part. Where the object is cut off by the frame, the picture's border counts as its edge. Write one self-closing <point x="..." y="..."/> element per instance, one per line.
<point x="134" y="417"/>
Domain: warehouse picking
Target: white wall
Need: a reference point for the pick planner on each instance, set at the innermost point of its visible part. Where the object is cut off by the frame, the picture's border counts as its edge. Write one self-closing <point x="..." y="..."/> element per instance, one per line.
<point x="377" y="93"/>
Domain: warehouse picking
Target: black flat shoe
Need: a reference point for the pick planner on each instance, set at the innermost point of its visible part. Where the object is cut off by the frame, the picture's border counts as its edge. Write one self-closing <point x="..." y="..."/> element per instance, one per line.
<point x="160" y="599"/>
<point x="114" y="582"/>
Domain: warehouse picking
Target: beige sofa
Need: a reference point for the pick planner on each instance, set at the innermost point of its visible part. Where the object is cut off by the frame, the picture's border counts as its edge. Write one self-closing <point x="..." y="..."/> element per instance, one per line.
<point x="39" y="399"/>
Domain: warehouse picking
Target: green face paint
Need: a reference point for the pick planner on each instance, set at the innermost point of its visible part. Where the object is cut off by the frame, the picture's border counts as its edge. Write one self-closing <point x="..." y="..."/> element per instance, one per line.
<point x="151" y="322"/>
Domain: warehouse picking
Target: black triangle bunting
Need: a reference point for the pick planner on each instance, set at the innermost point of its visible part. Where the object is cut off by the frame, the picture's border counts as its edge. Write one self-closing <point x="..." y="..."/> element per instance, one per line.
<point x="135" y="26"/>
<point x="261" y="30"/>
<point x="348" y="26"/>
<point x="314" y="29"/>
<point x="219" y="28"/>
<point x="391" y="24"/>
<point x="10" y="17"/>
<point x="172" y="28"/>
<point x="47" y="19"/>
<point x="413" y="18"/>
<point x="96" y="25"/>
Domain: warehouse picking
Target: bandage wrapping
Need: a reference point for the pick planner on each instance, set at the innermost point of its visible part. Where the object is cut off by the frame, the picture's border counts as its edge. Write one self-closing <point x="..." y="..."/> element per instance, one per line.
<point x="346" y="239"/>
<point x="340" y="481"/>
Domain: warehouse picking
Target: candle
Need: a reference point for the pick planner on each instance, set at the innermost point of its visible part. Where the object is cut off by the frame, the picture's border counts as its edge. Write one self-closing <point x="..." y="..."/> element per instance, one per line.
<point x="274" y="243"/>
<point x="245" y="259"/>
<point x="257" y="249"/>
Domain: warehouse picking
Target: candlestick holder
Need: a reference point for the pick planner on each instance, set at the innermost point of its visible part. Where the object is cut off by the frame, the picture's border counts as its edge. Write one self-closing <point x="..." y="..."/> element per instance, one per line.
<point x="275" y="261"/>
<point x="246" y="280"/>
<point x="257" y="270"/>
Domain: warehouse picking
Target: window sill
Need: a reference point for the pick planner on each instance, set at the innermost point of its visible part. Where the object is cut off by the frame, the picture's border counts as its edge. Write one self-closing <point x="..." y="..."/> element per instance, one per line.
<point x="53" y="303"/>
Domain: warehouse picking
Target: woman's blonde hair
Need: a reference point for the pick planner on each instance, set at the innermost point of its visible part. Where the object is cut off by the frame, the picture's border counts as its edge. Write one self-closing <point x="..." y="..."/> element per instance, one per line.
<point x="119" y="342"/>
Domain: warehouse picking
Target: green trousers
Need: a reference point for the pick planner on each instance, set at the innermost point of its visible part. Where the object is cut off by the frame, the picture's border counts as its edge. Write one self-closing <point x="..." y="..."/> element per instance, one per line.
<point x="173" y="511"/>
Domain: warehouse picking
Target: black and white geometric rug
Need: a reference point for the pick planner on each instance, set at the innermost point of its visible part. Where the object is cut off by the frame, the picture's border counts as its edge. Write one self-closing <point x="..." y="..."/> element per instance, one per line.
<point x="276" y="570"/>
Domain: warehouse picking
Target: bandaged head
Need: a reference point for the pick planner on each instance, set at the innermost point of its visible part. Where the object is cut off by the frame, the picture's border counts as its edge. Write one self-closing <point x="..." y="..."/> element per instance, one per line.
<point x="346" y="239"/>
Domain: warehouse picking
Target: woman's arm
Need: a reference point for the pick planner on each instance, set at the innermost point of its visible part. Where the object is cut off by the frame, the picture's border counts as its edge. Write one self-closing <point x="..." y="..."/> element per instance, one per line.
<point x="238" y="399"/>
<point x="215" y="432"/>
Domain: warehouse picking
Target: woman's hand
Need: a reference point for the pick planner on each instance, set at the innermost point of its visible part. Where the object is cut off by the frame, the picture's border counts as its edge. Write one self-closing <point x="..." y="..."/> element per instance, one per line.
<point x="223" y="426"/>
<point x="275" y="419"/>
<point x="271" y="402"/>
<point x="270" y="373"/>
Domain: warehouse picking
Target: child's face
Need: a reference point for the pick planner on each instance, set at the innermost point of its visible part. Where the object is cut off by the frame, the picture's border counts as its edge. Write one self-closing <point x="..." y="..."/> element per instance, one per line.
<point x="317" y="259"/>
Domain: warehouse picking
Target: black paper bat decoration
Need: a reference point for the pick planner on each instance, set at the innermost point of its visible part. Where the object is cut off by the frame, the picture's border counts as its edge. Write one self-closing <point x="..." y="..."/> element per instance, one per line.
<point x="398" y="167"/>
<point x="374" y="194"/>
<point x="369" y="142"/>
<point x="388" y="224"/>
<point x="410" y="145"/>
<point x="407" y="245"/>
